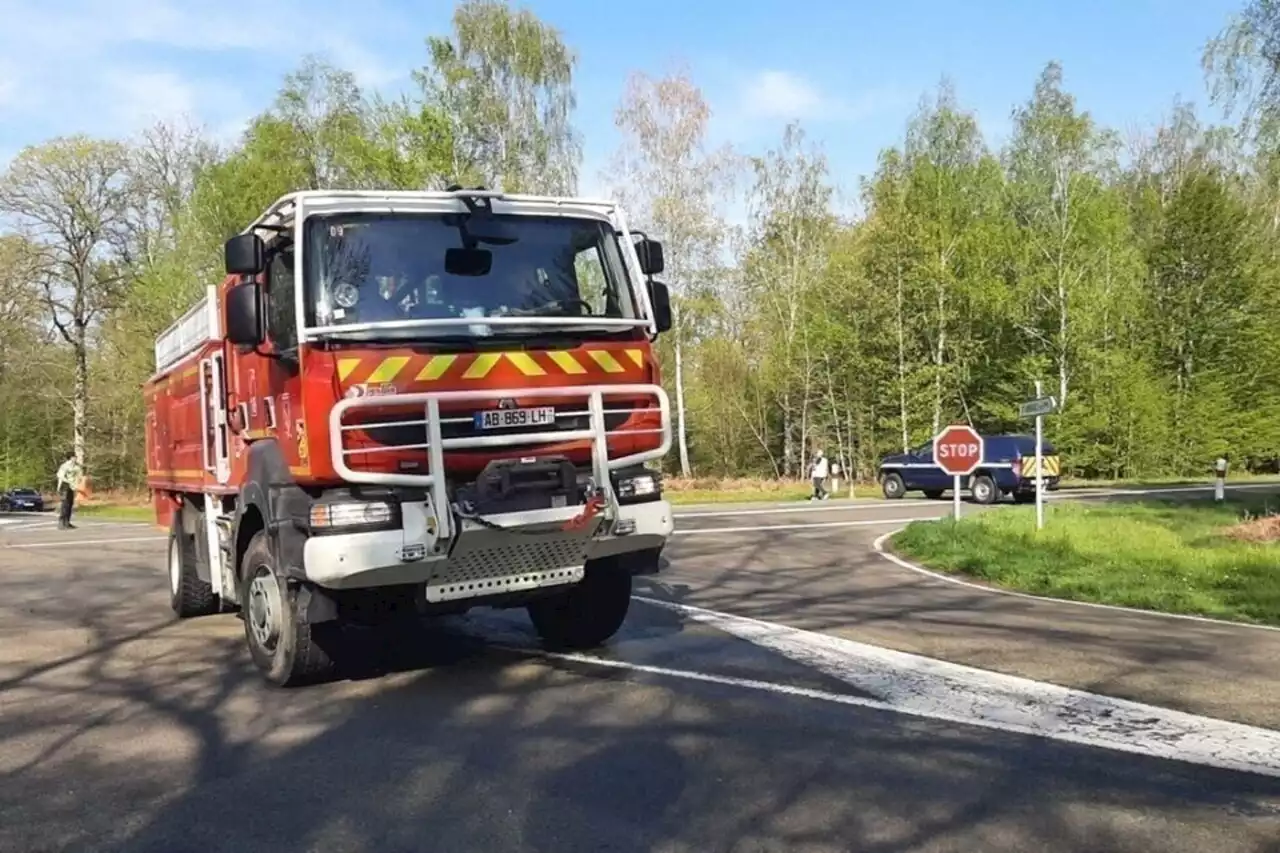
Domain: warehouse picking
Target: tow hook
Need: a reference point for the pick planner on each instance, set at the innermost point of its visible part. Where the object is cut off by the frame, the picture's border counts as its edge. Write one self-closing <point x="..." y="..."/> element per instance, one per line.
<point x="594" y="504"/>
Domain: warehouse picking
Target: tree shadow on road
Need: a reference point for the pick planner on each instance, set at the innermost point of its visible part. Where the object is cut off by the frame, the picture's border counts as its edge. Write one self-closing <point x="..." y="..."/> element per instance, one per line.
<point x="156" y="735"/>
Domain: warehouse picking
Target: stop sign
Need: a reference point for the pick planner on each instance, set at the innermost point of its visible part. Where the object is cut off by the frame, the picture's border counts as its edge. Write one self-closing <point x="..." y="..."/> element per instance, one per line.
<point x="957" y="450"/>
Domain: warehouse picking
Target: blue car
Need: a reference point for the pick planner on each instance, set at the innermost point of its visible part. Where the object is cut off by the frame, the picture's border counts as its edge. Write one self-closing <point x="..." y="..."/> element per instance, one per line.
<point x="1008" y="468"/>
<point x="21" y="500"/>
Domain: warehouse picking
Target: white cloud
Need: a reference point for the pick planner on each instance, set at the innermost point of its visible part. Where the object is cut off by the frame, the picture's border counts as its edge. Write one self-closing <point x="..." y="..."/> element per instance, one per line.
<point x="780" y="95"/>
<point x="139" y="98"/>
<point x="111" y="67"/>
<point x="773" y="95"/>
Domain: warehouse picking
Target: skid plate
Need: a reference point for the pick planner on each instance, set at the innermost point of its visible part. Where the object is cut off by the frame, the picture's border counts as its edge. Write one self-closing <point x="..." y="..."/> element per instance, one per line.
<point x="490" y="562"/>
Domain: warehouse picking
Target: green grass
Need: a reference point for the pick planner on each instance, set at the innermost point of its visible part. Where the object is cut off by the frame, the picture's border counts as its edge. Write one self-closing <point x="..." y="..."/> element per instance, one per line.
<point x="784" y="492"/>
<point x="1155" y="555"/>
<point x="117" y="512"/>
<point x="1157" y="482"/>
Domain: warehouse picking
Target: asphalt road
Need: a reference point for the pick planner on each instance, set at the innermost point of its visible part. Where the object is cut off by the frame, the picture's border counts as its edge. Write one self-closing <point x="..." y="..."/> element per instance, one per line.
<point x="812" y="726"/>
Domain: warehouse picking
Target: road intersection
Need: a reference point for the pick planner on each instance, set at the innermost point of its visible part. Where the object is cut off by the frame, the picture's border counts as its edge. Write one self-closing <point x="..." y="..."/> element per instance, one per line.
<point x="780" y="686"/>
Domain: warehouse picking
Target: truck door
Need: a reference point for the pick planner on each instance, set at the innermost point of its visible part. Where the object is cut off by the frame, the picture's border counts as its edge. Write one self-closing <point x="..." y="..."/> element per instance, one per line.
<point x="262" y="379"/>
<point x="215" y="449"/>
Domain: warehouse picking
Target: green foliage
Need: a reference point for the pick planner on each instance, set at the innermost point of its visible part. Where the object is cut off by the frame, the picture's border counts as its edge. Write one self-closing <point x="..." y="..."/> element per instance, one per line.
<point x="1144" y="295"/>
<point x="504" y="82"/>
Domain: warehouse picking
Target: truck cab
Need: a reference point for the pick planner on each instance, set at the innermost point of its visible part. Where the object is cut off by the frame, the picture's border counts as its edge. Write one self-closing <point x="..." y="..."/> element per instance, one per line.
<point x="415" y="403"/>
<point x="1008" y="469"/>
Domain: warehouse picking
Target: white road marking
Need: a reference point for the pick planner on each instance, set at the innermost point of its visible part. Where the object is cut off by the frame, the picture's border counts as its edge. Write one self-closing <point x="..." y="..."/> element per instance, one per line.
<point x="728" y="680"/>
<point x="934" y="689"/>
<point x="817" y="525"/>
<point x="784" y="510"/>
<point x="28" y="526"/>
<point x="72" y="543"/>
<point x="878" y="545"/>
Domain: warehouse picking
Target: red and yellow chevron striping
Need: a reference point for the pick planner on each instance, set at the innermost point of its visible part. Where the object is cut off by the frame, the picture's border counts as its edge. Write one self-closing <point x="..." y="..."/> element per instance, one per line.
<point x="544" y="368"/>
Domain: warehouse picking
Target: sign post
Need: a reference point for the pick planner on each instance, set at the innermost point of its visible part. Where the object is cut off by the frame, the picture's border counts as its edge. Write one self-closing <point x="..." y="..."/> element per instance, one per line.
<point x="1038" y="408"/>
<point x="957" y="450"/>
<point x="1220" y="480"/>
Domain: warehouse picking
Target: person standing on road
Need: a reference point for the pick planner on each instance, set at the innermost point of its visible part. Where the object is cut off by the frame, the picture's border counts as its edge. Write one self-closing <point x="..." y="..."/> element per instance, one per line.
<point x="69" y="477"/>
<point x="819" y="475"/>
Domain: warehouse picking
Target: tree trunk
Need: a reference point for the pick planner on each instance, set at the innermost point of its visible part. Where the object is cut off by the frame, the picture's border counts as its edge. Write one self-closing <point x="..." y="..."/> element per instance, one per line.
<point x="902" y="367"/>
<point x="1062" y="343"/>
<point x="682" y="437"/>
<point x="80" y="397"/>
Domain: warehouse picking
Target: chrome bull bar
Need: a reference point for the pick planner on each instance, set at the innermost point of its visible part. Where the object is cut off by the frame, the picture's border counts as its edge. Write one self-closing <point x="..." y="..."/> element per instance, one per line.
<point x="437" y="445"/>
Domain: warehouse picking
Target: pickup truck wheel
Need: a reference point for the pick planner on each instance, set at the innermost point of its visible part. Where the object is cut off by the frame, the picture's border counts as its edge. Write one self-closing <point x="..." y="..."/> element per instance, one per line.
<point x="589" y="612"/>
<point x="282" y="645"/>
<point x="984" y="489"/>
<point x="188" y="594"/>
<point x="893" y="486"/>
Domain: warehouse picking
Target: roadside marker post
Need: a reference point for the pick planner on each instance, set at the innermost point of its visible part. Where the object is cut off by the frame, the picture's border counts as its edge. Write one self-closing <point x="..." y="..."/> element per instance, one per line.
<point x="957" y="450"/>
<point x="1038" y="408"/>
<point x="1220" y="480"/>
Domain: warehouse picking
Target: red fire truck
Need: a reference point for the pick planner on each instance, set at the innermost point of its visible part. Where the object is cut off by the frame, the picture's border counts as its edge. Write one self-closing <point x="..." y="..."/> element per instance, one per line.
<point x="402" y="404"/>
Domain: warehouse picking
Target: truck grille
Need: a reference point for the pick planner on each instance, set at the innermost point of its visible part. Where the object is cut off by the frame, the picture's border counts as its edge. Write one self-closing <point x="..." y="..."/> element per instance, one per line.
<point x="400" y="439"/>
<point x="398" y="433"/>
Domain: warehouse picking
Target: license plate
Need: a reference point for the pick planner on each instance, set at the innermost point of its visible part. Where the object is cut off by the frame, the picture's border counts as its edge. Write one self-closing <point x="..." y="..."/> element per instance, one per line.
<point x="500" y="418"/>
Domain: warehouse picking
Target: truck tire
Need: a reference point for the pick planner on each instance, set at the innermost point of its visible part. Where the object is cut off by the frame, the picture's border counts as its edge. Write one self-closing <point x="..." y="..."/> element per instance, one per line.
<point x="188" y="594"/>
<point x="894" y="487"/>
<point x="282" y="645"/>
<point x="984" y="490"/>
<point x="589" y="612"/>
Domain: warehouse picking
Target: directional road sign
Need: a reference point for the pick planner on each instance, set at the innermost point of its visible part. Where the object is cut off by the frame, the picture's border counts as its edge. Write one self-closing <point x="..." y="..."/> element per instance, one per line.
<point x="1038" y="407"/>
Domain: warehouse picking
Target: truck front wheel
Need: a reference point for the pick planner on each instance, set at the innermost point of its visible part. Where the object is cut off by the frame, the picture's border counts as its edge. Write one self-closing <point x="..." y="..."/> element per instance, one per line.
<point x="282" y="643"/>
<point x="893" y="486"/>
<point x="589" y="612"/>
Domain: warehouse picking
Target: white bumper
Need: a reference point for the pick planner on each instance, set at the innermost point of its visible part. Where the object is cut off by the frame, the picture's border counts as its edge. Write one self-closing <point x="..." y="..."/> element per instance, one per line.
<point x="653" y="525"/>
<point x="386" y="557"/>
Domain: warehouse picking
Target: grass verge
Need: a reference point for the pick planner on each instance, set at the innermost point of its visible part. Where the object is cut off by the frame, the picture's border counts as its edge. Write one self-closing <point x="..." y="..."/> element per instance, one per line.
<point x="712" y="490"/>
<point x="1155" y="555"/>
<point x="116" y="512"/>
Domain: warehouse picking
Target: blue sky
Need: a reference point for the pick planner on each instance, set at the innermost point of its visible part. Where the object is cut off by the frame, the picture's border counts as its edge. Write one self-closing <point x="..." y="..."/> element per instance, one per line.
<point x="851" y="71"/>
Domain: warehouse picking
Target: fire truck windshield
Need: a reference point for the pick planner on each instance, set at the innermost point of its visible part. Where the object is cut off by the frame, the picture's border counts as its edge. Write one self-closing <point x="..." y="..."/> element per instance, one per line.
<point x="387" y="269"/>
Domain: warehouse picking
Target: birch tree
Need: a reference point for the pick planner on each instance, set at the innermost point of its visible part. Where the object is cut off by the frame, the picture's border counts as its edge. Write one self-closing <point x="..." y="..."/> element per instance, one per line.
<point x="1056" y="158"/>
<point x="505" y="82"/>
<point x="944" y="155"/>
<point x="791" y="226"/>
<point x="73" y="204"/>
<point x="664" y="174"/>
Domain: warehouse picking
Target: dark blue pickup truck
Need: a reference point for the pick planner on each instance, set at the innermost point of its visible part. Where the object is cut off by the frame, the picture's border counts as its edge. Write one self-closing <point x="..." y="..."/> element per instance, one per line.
<point x="1008" y="468"/>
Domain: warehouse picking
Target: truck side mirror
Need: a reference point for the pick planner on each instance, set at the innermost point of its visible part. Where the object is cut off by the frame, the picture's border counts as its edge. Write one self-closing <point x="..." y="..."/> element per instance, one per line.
<point x="660" y="299"/>
<point x="244" y="254"/>
<point x="244" y="314"/>
<point x="650" y="254"/>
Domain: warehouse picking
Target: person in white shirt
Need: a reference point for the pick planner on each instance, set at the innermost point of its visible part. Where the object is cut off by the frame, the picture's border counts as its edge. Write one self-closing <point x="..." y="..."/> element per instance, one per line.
<point x="69" y="476"/>
<point x="819" y="474"/>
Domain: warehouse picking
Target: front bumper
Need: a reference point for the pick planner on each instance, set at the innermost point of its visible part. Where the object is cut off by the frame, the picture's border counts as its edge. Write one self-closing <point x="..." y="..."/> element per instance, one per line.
<point x="1026" y="486"/>
<point x="479" y="558"/>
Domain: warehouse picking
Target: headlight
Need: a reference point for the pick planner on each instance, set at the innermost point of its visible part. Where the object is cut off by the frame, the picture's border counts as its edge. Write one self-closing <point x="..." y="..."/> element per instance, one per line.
<point x="638" y="487"/>
<point x="369" y="515"/>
